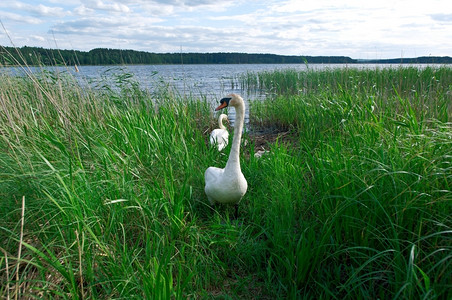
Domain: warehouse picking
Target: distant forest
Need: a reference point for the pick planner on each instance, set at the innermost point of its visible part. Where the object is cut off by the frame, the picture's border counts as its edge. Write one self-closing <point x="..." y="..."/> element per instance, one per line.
<point x="103" y="56"/>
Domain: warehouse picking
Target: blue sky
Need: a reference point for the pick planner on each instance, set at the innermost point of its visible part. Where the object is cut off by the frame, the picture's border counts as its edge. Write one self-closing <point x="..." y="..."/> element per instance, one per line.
<point x="355" y="28"/>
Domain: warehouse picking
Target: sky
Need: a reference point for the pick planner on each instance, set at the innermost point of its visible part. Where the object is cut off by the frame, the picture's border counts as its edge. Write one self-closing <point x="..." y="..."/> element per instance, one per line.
<point x="359" y="29"/>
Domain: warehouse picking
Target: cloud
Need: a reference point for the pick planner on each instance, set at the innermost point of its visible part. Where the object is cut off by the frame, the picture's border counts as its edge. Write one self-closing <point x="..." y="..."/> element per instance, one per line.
<point x="106" y="6"/>
<point x="39" y="10"/>
<point x="187" y="2"/>
<point x="98" y="25"/>
<point x="310" y="27"/>
<point x="47" y="11"/>
<point x="37" y="38"/>
<point x="18" y="18"/>
<point x="178" y="3"/>
<point x="82" y="10"/>
<point x="442" y="17"/>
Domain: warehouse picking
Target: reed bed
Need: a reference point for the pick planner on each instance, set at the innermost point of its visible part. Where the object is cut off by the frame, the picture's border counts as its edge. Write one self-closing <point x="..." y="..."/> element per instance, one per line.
<point x="102" y="190"/>
<point x="375" y="174"/>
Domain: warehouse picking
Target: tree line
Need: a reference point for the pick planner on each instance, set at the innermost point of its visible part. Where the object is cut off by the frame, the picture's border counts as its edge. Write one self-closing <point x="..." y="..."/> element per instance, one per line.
<point x="416" y="60"/>
<point x="104" y="56"/>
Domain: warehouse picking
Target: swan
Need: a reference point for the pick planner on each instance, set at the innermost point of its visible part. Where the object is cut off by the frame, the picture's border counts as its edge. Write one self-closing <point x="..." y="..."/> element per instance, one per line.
<point x="220" y="136"/>
<point x="228" y="185"/>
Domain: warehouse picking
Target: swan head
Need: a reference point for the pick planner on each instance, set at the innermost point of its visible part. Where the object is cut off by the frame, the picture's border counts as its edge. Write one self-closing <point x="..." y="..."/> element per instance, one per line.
<point x="230" y="100"/>
<point x="224" y="117"/>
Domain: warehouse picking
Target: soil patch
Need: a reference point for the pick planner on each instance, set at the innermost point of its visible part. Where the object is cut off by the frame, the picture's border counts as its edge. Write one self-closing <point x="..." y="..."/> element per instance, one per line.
<point x="262" y="139"/>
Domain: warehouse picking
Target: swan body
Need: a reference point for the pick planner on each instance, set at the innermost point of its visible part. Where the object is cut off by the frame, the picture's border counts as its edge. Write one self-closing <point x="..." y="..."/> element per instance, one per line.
<point x="220" y="137"/>
<point x="228" y="185"/>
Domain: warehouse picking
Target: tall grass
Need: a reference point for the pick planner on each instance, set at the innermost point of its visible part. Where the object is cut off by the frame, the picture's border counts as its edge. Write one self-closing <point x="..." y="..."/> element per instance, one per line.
<point x="374" y="171"/>
<point x="427" y="88"/>
<point x="357" y="205"/>
<point x="106" y="179"/>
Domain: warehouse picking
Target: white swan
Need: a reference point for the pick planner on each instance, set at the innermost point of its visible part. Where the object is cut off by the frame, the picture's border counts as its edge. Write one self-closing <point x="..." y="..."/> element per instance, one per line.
<point x="228" y="185"/>
<point x="220" y="137"/>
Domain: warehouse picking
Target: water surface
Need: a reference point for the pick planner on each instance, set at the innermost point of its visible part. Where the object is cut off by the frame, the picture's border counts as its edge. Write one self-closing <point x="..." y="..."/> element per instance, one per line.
<point x="210" y="82"/>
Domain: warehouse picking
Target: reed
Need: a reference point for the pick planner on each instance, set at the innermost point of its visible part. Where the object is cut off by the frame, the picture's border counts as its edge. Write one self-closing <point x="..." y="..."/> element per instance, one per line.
<point x="355" y="205"/>
<point x="374" y="175"/>
<point x="427" y="88"/>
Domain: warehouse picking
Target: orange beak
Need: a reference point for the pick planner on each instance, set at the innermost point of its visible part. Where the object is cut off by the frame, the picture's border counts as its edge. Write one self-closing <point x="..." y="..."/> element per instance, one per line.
<point x="222" y="105"/>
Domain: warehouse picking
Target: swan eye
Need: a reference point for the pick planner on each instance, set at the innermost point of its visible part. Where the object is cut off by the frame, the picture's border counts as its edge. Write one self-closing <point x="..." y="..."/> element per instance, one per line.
<point x="225" y="100"/>
<point x="223" y="103"/>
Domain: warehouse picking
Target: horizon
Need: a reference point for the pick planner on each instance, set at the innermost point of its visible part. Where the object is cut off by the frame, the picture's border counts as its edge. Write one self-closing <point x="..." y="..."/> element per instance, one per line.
<point x="246" y="53"/>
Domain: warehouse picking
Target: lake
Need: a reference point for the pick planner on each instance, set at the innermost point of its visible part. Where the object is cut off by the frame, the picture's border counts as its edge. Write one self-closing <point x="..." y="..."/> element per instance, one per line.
<point x="210" y="82"/>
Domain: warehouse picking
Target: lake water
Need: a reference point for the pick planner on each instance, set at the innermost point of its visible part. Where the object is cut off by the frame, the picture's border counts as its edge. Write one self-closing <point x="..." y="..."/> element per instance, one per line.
<point x="210" y="82"/>
<point x="206" y="81"/>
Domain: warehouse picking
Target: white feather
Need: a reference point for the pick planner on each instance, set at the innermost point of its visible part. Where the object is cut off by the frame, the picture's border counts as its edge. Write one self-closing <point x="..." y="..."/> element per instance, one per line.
<point x="220" y="137"/>
<point x="228" y="185"/>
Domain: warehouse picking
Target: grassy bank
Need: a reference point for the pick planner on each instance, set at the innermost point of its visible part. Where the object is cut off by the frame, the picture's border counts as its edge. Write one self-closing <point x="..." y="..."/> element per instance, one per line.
<point x="102" y="190"/>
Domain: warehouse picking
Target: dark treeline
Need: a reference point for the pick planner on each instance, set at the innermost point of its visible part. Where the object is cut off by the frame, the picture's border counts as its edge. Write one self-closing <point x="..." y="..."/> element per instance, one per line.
<point x="417" y="60"/>
<point x="103" y="56"/>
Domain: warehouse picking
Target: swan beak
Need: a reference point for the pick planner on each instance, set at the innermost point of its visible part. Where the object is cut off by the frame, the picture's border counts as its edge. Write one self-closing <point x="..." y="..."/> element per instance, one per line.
<point x="222" y="105"/>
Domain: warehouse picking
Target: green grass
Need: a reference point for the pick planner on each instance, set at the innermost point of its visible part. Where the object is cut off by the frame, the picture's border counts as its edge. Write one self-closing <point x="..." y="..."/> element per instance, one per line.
<point x="355" y="205"/>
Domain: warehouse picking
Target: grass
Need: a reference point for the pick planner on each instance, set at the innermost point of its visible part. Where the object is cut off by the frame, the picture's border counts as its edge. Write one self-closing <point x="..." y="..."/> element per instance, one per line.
<point x="102" y="190"/>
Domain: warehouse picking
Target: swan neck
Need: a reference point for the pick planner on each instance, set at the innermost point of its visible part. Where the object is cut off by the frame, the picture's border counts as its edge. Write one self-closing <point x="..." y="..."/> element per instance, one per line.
<point x="220" y="123"/>
<point x="233" y="163"/>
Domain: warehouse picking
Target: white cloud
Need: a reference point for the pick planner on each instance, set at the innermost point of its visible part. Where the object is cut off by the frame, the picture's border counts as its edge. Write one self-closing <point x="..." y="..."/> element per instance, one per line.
<point x="111" y="6"/>
<point x="82" y="10"/>
<point x="311" y="27"/>
<point x="39" y="10"/>
<point x="441" y="17"/>
<point x="18" y="18"/>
